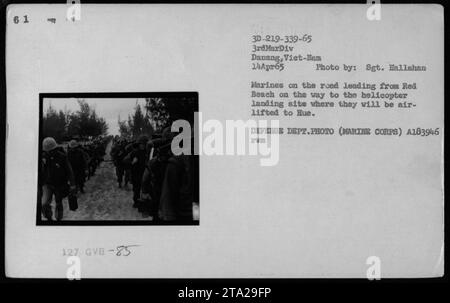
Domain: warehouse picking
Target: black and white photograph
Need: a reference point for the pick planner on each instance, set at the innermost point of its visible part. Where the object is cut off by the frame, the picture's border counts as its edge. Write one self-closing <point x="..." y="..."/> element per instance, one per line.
<point x="109" y="160"/>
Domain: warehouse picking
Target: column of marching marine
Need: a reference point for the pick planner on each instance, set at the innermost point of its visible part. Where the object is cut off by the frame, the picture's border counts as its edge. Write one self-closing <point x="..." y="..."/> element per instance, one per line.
<point x="63" y="171"/>
<point x="164" y="184"/>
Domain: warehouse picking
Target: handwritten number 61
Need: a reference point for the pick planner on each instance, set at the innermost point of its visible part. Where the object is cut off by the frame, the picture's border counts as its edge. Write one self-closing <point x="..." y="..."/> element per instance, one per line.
<point x="16" y="19"/>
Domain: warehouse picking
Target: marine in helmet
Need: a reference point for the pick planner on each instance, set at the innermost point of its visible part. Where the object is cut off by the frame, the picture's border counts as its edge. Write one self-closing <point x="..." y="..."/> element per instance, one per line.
<point x="77" y="160"/>
<point x="56" y="178"/>
<point x="137" y="159"/>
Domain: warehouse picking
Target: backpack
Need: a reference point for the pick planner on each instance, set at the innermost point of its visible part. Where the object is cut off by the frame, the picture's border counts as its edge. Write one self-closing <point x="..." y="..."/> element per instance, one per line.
<point x="56" y="168"/>
<point x="177" y="195"/>
<point x="153" y="179"/>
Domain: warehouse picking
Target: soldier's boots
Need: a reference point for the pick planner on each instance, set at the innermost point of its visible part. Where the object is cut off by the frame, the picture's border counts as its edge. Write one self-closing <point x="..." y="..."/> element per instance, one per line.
<point x="59" y="212"/>
<point x="47" y="212"/>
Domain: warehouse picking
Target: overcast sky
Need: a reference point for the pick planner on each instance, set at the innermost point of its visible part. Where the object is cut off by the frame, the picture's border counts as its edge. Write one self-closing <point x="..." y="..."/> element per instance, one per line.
<point x="108" y="108"/>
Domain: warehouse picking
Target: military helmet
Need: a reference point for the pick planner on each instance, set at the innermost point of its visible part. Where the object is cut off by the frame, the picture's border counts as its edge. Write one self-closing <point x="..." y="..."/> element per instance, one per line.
<point x="73" y="144"/>
<point x="49" y="144"/>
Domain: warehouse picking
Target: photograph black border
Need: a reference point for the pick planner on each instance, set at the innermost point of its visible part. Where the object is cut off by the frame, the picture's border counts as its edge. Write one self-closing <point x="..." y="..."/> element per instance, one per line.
<point x="109" y="95"/>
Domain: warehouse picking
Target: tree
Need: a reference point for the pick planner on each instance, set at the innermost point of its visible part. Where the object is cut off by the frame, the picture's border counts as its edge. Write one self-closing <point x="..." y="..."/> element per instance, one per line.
<point x="124" y="129"/>
<point x="163" y="111"/>
<point x="54" y="124"/>
<point x="81" y="124"/>
<point x="157" y="113"/>
<point x="136" y="125"/>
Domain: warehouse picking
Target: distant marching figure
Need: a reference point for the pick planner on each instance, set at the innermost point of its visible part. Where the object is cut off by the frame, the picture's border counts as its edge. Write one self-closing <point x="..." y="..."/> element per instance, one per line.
<point x="137" y="158"/>
<point x="77" y="159"/>
<point x="56" y="176"/>
<point x="117" y="154"/>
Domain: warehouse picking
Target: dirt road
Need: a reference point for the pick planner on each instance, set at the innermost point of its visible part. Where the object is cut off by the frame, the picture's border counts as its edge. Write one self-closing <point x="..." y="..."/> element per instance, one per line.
<point x="103" y="200"/>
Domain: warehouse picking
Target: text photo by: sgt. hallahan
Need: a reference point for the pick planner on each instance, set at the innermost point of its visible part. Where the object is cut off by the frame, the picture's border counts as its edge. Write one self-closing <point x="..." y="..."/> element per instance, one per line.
<point x="107" y="159"/>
